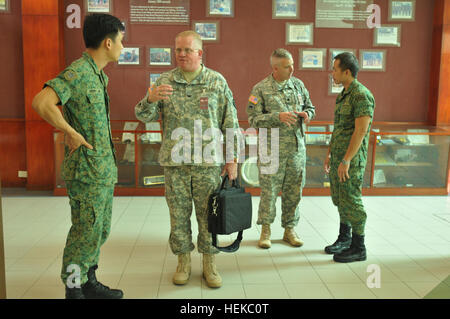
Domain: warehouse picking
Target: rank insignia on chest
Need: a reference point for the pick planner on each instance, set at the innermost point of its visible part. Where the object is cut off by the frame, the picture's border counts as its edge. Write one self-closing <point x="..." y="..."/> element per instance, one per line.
<point x="253" y="99"/>
<point x="300" y="99"/>
<point x="204" y="103"/>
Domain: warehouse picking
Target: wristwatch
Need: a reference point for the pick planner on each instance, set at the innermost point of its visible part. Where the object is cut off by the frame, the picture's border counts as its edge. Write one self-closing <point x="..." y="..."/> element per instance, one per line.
<point x="345" y="162"/>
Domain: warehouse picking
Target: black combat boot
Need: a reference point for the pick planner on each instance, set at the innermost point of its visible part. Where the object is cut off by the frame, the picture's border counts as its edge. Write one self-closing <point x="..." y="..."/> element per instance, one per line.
<point x="74" y="293"/>
<point x="343" y="241"/>
<point x="92" y="289"/>
<point x="356" y="252"/>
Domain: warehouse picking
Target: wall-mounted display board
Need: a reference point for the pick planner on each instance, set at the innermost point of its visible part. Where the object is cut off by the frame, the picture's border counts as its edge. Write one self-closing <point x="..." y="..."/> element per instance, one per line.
<point x="350" y="14"/>
<point x="159" y="11"/>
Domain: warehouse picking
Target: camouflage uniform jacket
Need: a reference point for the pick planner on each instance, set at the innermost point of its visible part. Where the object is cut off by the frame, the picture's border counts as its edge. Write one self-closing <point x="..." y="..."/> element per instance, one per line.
<point x="268" y="99"/>
<point x="356" y="101"/>
<point x="81" y="89"/>
<point x="202" y="106"/>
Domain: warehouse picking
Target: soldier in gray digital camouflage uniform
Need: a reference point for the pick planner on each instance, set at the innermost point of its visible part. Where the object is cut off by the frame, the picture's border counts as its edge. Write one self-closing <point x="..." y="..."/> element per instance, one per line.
<point x="89" y="167"/>
<point x="347" y="158"/>
<point x="194" y="102"/>
<point x="281" y="101"/>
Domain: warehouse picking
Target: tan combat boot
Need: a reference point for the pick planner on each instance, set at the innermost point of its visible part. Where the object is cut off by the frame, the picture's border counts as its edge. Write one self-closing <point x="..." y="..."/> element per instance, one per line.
<point x="181" y="276"/>
<point x="264" y="240"/>
<point x="210" y="273"/>
<point x="291" y="237"/>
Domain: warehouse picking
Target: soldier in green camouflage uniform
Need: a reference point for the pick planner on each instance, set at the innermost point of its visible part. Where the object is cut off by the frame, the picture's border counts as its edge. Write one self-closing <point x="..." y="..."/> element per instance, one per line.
<point x="281" y="101"/>
<point x="89" y="167"/>
<point x="192" y="100"/>
<point x="347" y="158"/>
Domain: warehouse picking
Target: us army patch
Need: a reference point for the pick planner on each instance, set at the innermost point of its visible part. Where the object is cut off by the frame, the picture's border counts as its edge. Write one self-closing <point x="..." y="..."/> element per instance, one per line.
<point x="253" y="99"/>
<point x="70" y="75"/>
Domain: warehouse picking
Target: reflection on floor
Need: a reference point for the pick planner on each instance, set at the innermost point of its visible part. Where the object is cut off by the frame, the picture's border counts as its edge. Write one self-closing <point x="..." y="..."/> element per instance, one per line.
<point x="408" y="241"/>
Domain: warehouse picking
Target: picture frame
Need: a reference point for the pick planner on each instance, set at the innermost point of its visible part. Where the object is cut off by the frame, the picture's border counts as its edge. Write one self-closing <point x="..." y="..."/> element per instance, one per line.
<point x="105" y="7"/>
<point x="285" y="9"/>
<point x="333" y="88"/>
<point x="402" y="10"/>
<point x="160" y="56"/>
<point x="220" y="8"/>
<point x="372" y="60"/>
<point x="4" y="6"/>
<point x="312" y="59"/>
<point x="388" y="35"/>
<point x="130" y="55"/>
<point x="153" y="77"/>
<point x="335" y="52"/>
<point x="208" y="30"/>
<point x="299" y="33"/>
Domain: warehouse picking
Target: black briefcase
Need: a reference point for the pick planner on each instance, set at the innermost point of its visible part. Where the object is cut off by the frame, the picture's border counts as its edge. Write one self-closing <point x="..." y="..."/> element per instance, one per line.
<point x="229" y="211"/>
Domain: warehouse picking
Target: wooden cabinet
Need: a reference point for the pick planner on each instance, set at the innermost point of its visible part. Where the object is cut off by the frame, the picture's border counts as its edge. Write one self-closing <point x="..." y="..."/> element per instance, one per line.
<point x="402" y="160"/>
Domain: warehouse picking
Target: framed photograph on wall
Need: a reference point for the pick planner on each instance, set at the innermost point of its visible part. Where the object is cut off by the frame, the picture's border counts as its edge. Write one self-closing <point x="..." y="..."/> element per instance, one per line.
<point x="208" y="30"/>
<point x="312" y="59"/>
<point x="402" y="10"/>
<point x="160" y="56"/>
<point x="299" y="33"/>
<point x="333" y="88"/>
<point x="335" y="52"/>
<point x="219" y="8"/>
<point x="153" y="77"/>
<point x="372" y="60"/>
<point x="285" y="9"/>
<point x="387" y="36"/>
<point x="130" y="56"/>
<point x="98" y="6"/>
<point x="4" y="6"/>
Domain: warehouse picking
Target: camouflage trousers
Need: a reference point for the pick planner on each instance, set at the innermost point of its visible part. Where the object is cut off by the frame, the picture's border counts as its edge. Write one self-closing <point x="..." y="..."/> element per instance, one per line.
<point x="347" y="196"/>
<point x="184" y="184"/>
<point x="91" y="209"/>
<point x="289" y="179"/>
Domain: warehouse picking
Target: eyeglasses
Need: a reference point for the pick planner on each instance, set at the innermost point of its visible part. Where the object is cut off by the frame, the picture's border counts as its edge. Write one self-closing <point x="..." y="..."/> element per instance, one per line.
<point x="187" y="51"/>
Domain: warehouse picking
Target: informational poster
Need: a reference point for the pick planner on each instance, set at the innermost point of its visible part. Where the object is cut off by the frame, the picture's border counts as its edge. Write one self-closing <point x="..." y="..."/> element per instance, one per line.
<point x="159" y="12"/>
<point x="351" y="14"/>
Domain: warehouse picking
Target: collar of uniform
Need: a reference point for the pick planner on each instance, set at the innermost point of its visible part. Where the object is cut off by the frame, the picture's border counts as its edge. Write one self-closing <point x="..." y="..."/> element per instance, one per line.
<point x="94" y="66"/>
<point x="200" y="79"/>
<point x="351" y="87"/>
<point x="277" y="87"/>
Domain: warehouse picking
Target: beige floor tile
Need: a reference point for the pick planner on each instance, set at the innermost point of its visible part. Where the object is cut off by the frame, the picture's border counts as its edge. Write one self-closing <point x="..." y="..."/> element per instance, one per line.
<point x="227" y="291"/>
<point x="308" y="291"/>
<point x="335" y="276"/>
<point x="350" y="291"/>
<point x="192" y="290"/>
<point x="139" y="292"/>
<point x="16" y="291"/>
<point x="45" y="292"/>
<point x="422" y="288"/>
<point x="266" y="291"/>
<point x="397" y="290"/>
<point x="416" y="274"/>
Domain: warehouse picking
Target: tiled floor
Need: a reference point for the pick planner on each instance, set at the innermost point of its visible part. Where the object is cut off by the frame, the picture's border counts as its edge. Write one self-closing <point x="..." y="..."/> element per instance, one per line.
<point x="408" y="241"/>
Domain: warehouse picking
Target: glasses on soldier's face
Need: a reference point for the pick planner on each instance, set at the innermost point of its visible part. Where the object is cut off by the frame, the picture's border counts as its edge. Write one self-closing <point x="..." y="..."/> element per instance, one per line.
<point x="187" y="51"/>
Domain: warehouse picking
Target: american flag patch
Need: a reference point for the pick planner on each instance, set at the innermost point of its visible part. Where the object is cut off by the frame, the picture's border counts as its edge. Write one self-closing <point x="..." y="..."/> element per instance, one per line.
<point x="253" y="99"/>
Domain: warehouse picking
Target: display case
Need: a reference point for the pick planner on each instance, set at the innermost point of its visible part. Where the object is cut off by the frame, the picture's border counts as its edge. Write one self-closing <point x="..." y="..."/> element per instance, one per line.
<point x="403" y="159"/>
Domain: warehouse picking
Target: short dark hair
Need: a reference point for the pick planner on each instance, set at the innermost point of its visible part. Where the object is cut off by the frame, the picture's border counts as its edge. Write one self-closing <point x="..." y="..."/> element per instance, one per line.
<point x="348" y="61"/>
<point x="98" y="27"/>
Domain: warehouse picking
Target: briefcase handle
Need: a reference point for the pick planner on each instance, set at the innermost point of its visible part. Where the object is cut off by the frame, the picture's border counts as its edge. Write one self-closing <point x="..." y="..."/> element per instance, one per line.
<point x="230" y="248"/>
<point x="234" y="183"/>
